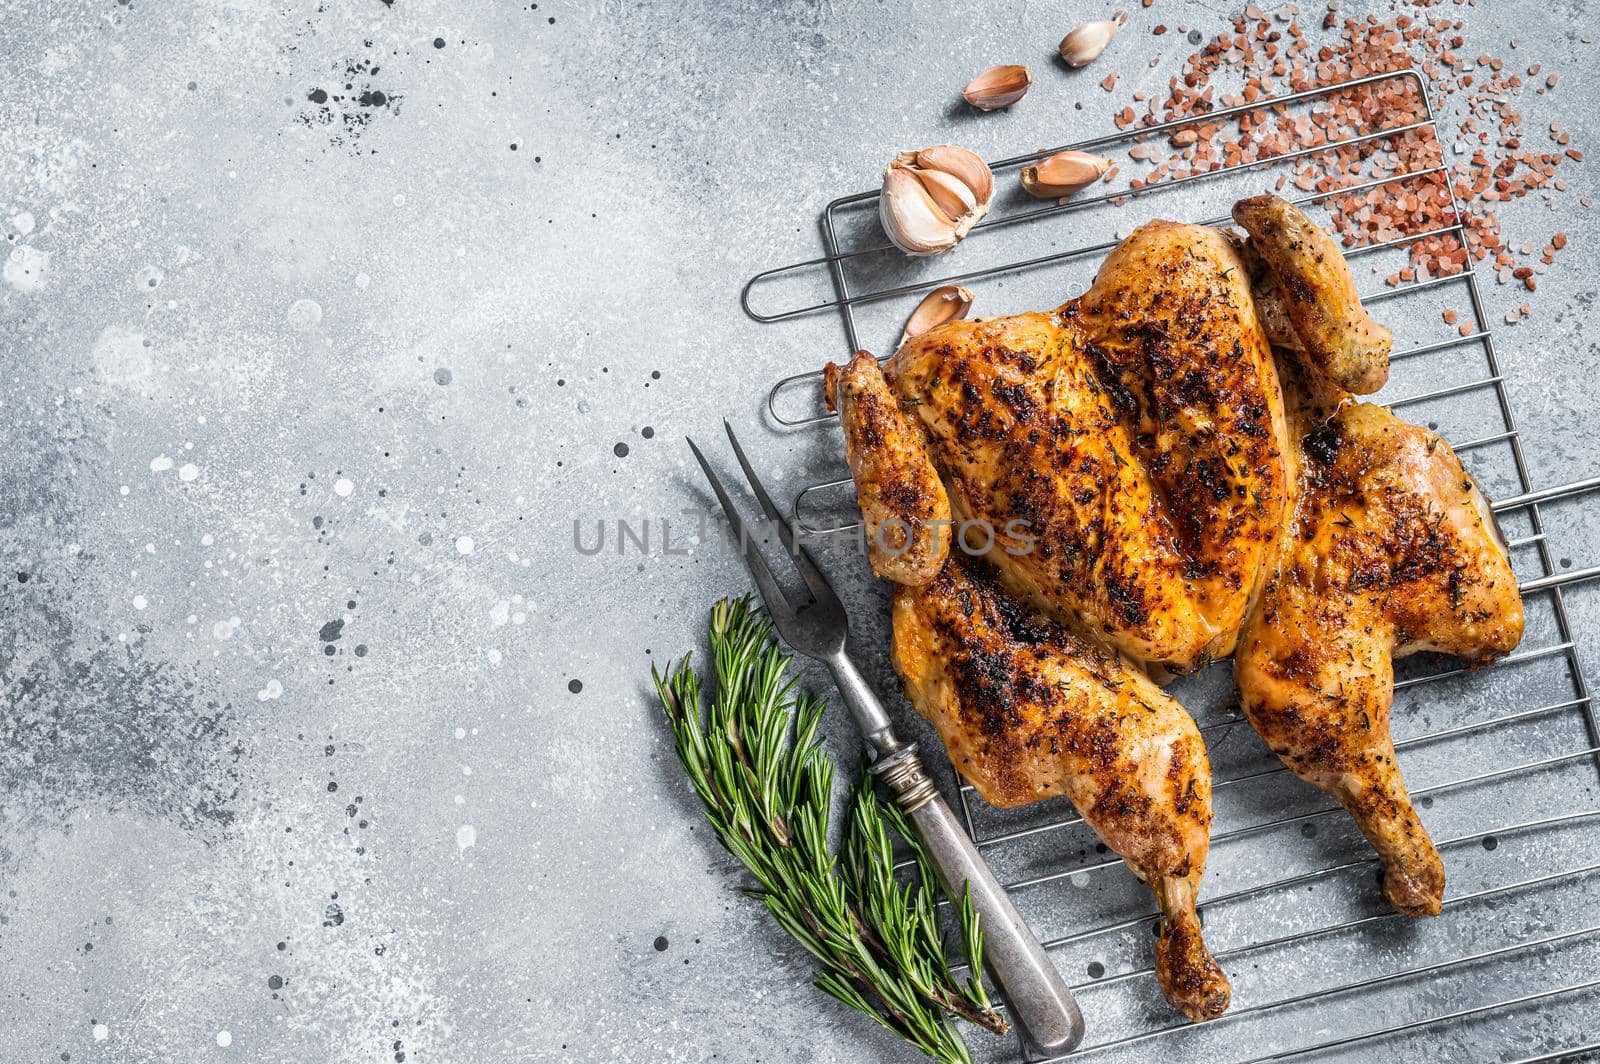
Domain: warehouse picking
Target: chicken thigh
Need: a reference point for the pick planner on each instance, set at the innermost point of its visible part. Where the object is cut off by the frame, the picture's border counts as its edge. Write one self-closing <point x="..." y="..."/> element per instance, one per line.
<point x="1028" y="710"/>
<point x="1391" y="550"/>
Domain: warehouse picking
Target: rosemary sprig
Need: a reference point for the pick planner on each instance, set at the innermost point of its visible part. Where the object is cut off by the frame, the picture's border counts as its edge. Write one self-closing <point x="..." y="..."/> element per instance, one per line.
<point x="752" y="755"/>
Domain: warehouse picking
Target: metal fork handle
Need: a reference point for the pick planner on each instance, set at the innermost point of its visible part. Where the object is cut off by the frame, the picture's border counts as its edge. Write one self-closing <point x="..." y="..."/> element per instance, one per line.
<point x="1041" y="1003"/>
<point x="870" y="716"/>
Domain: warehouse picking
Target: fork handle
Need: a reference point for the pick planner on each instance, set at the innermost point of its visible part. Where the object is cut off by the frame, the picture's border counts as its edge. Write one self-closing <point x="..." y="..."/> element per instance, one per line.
<point x="1040" y="1000"/>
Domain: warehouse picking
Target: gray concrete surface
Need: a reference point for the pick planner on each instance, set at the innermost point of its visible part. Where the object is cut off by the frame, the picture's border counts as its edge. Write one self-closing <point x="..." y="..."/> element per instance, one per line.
<point x="319" y="741"/>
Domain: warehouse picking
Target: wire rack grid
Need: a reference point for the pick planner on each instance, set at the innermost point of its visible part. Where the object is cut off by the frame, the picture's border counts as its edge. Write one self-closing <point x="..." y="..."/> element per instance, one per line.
<point x="1295" y="912"/>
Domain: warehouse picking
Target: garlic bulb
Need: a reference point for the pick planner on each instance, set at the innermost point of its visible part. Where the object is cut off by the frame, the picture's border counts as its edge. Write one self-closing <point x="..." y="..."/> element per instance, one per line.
<point x="945" y="303"/>
<point x="1083" y="45"/>
<point x="1063" y="173"/>
<point x="998" y="87"/>
<point x="932" y="197"/>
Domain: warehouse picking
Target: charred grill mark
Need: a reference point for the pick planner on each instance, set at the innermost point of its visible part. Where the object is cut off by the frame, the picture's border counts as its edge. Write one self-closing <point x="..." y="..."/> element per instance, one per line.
<point x="1011" y="618"/>
<point x="874" y="420"/>
<point x="1300" y="664"/>
<point x="1024" y="407"/>
<point x="906" y="497"/>
<point x="1126" y="598"/>
<point x="1297" y="285"/>
<point x="1188" y="797"/>
<point x="1252" y="420"/>
<point x="1026" y="506"/>
<point x="1111" y="379"/>
<point x="1119" y="801"/>
<point x="1322" y="445"/>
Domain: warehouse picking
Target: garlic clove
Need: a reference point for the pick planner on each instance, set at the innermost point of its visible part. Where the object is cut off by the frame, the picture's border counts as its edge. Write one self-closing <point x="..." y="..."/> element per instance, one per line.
<point x="909" y="216"/>
<point x="998" y="87"/>
<point x="1063" y="173"/>
<point x="932" y="197"/>
<point x="949" y="192"/>
<point x="945" y="303"/>
<point x="1083" y="45"/>
<point x="965" y="165"/>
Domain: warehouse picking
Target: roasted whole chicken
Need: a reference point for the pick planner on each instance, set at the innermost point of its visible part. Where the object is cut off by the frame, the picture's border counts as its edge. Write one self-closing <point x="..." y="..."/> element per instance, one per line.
<point x="1167" y="470"/>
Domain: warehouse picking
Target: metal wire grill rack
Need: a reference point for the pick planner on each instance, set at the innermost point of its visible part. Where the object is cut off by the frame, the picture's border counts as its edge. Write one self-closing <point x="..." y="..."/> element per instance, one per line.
<point x="1284" y="922"/>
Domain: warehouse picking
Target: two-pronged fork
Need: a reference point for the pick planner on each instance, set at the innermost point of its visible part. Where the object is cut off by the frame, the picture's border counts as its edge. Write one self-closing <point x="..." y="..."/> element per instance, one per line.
<point x="1040" y="1001"/>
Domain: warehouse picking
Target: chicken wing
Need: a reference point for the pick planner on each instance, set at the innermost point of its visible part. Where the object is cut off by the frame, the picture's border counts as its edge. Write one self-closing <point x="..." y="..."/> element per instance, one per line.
<point x="904" y="508"/>
<point x="1308" y="285"/>
<point x="1028" y="710"/>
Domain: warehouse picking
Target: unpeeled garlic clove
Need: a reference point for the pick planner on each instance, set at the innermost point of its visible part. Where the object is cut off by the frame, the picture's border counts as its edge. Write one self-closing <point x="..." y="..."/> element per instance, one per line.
<point x="1063" y="173"/>
<point x="998" y="87"/>
<point x="911" y="218"/>
<point x="959" y="163"/>
<point x="949" y="192"/>
<point x="945" y="303"/>
<point x="1083" y="45"/>
<point x="932" y="197"/>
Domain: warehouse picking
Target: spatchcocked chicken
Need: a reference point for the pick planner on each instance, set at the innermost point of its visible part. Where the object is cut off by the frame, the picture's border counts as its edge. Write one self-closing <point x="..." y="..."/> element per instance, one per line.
<point x="1168" y="470"/>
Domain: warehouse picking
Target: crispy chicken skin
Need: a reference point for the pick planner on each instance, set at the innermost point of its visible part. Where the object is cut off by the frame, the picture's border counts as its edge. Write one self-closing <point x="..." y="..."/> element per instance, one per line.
<point x="1391" y="550"/>
<point x="1028" y="710"/>
<point x="1308" y="284"/>
<point x="1019" y="423"/>
<point x="903" y="503"/>
<point x="1136" y="431"/>
<point x="1172" y="324"/>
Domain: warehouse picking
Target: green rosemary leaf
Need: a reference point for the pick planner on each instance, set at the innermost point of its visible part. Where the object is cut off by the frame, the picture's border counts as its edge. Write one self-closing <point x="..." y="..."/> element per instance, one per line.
<point x="749" y="747"/>
<point x="972" y="947"/>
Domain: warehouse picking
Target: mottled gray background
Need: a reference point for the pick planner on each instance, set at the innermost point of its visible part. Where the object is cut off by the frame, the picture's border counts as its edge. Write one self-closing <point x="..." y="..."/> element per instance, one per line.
<point x="322" y="324"/>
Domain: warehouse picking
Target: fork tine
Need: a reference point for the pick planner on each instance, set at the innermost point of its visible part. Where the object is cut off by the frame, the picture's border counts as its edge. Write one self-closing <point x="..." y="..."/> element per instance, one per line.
<point x="815" y="580"/>
<point x="777" y="606"/>
<point x="773" y="513"/>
